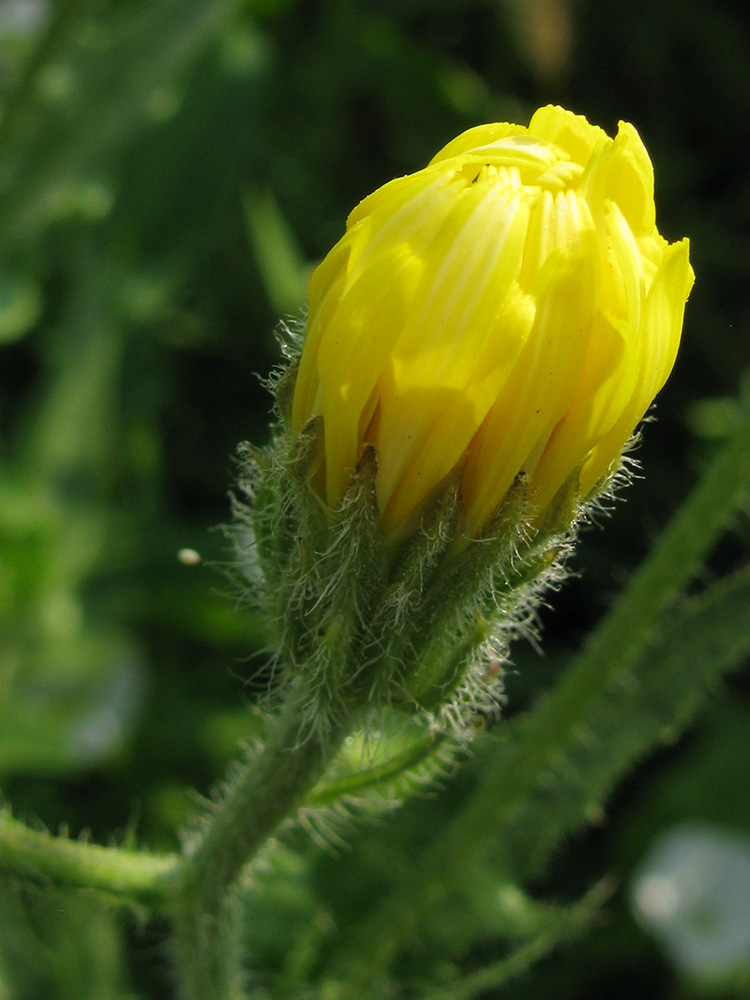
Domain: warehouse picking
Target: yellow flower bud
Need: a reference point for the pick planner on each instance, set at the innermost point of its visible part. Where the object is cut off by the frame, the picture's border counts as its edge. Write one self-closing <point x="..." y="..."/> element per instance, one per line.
<point x="511" y="308"/>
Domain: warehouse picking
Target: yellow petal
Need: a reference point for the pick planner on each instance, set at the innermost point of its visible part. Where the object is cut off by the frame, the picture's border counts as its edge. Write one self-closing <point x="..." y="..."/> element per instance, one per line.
<point x="606" y="384"/>
<point x="630" y="183"/>
<point x="471" y="267"/>
<point x="569" y="132"/>
<point x="356" y="317"/>
<point x="657" y="347"/>
<point x="354" y="348"/>
<point x="324" y="294"/>
<point x="459" y="415"/>
<point x="479" y="137"/>
<point x="544" y="379"/>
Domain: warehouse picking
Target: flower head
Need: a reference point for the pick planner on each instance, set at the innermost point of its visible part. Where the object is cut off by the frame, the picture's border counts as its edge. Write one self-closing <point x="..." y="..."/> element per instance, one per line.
<point x="509" y="309"/>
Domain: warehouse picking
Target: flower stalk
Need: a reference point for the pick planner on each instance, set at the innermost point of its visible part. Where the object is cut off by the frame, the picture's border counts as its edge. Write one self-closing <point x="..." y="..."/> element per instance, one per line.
<point x="266" y="790"/>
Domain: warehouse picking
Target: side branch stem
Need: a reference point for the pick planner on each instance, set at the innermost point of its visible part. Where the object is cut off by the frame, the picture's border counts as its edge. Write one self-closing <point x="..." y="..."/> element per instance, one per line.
<point x="131" y="876"/>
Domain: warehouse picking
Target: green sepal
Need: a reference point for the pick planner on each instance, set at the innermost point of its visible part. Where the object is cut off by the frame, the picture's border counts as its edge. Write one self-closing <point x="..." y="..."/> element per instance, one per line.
<point x="407" y="624"/>
<point x="565" y="507"/>
<point x="477" y="563"/>
<point x="306" y="450"/>
<point x="335" y="575"/>
<point x="356" y="520"/>
<point x="440" y="677"/>
<point x="468" y="577"/>
<point x="266" y="533"/>
<point x="304" y="458"/>
<point x="387" y="643"/>
<point x="289" y="525"/>
<point x="417" y="560"/>
<point x="283" y="392"/>
<point x="355" y="568"/>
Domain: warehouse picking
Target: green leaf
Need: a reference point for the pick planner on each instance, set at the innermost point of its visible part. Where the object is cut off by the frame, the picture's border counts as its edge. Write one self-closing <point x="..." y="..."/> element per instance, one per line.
<point x="284" y="268"/>
<point x="643" y="705"/>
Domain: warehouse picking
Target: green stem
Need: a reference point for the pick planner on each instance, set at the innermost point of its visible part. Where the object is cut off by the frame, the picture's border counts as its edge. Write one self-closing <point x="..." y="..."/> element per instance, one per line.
<point x="268" y="790"/>
<point x="619" y="640"/>
<point x="132" y="876"/>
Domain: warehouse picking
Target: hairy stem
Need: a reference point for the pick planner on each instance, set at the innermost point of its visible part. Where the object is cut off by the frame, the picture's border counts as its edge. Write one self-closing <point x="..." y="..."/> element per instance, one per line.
<point x="131" y="876"/>
<point x="269" y="789"/>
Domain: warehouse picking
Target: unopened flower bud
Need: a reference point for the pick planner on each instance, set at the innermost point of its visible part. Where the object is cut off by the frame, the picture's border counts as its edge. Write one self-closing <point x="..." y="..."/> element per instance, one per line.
<point x="480" y="345"/>
<point x="509" y="309"/>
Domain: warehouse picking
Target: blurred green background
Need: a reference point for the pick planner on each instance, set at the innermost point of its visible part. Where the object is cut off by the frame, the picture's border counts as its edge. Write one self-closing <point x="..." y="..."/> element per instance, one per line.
<point x="170" y="172"/>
